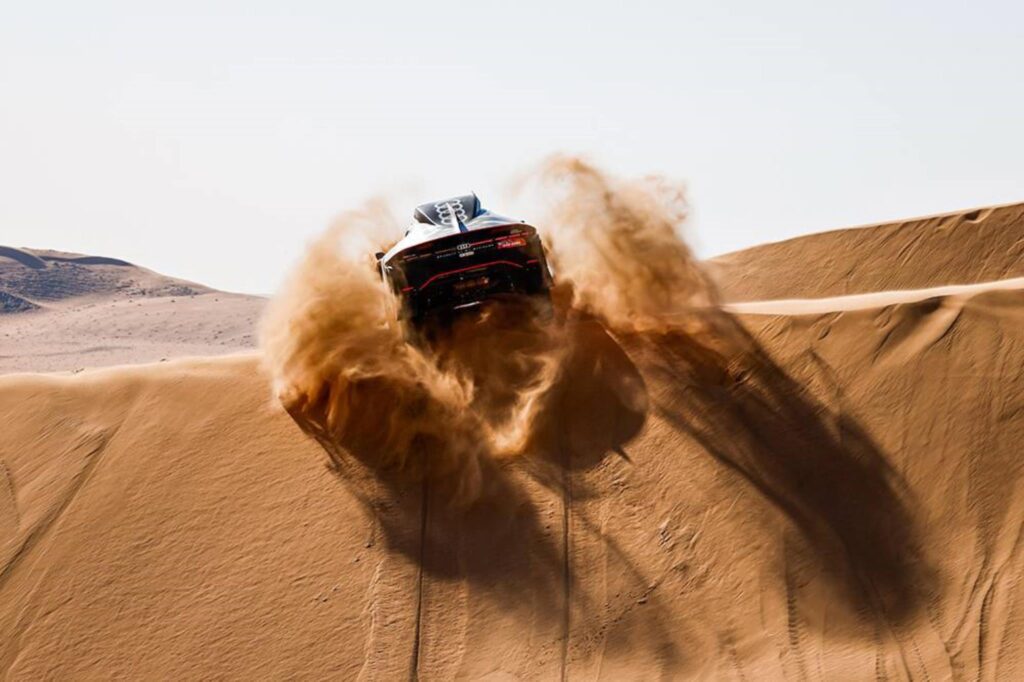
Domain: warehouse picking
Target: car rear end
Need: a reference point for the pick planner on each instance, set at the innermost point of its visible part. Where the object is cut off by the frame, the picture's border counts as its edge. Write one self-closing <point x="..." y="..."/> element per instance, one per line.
<point x="467" y="268"/>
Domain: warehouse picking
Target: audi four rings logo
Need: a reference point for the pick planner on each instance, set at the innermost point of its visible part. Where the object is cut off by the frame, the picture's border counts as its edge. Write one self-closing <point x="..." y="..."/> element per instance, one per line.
<point x="445" y="209"/>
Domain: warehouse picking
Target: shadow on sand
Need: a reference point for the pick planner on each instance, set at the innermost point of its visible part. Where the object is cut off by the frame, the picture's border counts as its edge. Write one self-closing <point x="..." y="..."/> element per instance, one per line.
<point x="815" y="464"/>
<point x="718" y="386"/>
<point x="511" y="539"/>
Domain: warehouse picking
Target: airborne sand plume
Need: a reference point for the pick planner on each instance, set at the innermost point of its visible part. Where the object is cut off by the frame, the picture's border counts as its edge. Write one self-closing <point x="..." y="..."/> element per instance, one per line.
<point x="449" y="413"/>
<point x="507" y="382"/>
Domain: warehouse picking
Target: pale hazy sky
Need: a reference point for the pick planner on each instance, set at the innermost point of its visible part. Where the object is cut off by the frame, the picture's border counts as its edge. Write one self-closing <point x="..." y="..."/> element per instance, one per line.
<point x="210" y="140"/>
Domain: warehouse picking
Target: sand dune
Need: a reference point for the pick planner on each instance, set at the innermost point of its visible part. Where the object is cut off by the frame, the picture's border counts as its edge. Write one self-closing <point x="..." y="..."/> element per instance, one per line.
<point x="967" y="247"/>
<point x="66" y="312"/>
<point x="803" y="485"/>
<point x="49" y="277"/>
<point x="779" y="505"/>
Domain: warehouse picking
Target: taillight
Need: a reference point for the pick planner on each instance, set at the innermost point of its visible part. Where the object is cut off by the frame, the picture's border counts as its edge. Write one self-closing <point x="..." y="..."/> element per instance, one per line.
<point x="511" y="242"/>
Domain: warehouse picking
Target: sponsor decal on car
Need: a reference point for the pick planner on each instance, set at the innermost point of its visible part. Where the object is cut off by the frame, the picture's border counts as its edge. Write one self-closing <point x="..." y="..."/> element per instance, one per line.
<point x="511" y="242"/>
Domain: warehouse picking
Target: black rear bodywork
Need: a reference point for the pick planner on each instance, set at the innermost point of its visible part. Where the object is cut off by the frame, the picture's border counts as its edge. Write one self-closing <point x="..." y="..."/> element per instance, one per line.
<point x="469" y="268"/>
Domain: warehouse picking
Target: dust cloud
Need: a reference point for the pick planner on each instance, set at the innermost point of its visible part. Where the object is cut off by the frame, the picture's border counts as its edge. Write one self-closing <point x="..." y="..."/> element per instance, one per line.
<point x="618" y="244"/>
<point x="452" y="410"/>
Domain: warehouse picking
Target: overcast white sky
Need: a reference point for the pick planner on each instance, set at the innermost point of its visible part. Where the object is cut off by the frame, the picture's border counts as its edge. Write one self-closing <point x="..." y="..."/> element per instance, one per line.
<point x="210" y="140"/>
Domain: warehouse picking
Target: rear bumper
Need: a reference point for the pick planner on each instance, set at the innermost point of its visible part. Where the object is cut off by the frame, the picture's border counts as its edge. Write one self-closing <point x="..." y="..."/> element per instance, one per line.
<point x="468" y="268"/>
<point x="475" y="284"/>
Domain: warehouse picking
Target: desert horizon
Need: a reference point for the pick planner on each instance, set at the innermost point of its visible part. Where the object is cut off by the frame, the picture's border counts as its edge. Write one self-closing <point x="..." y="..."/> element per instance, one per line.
<point x="87" y="304"/>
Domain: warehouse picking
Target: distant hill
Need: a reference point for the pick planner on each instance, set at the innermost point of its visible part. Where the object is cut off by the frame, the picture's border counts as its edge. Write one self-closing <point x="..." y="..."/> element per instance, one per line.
<point x="43" y="277"/>
<point x="65" y="311"/>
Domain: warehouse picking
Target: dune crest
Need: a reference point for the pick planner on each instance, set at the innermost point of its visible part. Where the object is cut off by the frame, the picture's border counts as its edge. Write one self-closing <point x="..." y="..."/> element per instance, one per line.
<point x="966" y="247"/>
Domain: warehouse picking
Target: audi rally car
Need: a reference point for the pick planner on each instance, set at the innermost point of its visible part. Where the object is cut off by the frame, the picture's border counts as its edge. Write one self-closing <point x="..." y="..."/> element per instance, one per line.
<point x="457" y="254"/>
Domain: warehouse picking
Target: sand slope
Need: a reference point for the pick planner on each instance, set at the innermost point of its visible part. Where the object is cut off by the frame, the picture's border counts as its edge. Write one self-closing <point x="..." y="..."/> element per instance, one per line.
<point x="979" y="245"/>
<point x="65" y="312"/>
<point x="835" y="495"/>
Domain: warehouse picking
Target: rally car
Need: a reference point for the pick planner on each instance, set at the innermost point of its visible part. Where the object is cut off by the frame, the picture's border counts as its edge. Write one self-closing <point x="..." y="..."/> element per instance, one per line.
<point x="457" y="254"/>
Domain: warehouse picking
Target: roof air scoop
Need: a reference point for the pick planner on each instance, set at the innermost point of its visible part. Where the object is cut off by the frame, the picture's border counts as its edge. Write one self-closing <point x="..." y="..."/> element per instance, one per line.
<point x="441" y="213"/>
<point x="452" y="213"/>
